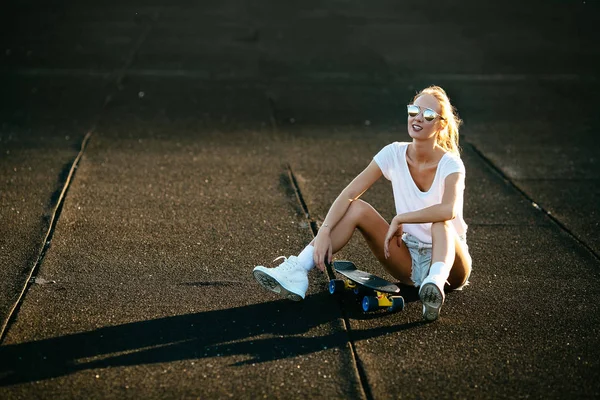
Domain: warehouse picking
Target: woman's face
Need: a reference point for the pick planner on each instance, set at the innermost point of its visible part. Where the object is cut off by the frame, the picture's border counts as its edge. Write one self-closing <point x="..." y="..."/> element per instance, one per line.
<point x="418" y="126"/>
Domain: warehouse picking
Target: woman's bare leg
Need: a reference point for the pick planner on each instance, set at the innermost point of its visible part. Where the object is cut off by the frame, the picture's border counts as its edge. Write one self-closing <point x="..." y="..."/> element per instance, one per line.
<point x="449" y="249"/>
<point x="362" y="216"/>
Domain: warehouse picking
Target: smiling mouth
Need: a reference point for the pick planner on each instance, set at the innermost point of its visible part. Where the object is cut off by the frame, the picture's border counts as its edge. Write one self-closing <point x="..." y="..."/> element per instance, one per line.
<point x="417" y="127"/>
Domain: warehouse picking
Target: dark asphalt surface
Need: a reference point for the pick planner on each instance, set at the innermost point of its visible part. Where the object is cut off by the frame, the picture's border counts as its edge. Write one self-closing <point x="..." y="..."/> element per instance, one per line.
<point x="198" y="114"/>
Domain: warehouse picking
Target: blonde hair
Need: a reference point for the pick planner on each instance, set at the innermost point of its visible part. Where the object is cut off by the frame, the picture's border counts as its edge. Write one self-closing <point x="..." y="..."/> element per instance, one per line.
<point x="447" y="138"/>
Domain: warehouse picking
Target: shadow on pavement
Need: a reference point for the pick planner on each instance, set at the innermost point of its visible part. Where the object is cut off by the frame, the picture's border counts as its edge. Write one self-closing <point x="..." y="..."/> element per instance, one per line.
<point x="261" y="332"/>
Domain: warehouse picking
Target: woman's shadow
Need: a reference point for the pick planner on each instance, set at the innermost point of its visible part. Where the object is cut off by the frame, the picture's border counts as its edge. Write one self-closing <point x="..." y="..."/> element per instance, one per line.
<point x="261" y="332"/>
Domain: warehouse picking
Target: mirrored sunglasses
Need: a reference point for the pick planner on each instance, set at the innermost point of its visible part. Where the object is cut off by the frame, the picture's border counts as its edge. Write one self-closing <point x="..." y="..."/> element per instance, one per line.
<point x="428" y="113"/>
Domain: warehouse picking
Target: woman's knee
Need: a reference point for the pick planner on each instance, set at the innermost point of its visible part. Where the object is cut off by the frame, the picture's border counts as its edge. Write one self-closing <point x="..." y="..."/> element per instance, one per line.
<point x="459" y="276"/>
<point x="364" y="217"/>
<point x="359" y="209"/>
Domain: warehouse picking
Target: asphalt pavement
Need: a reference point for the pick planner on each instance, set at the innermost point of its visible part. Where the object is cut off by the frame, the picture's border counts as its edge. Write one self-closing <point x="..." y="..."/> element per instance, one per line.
<point x="152" y="154"/>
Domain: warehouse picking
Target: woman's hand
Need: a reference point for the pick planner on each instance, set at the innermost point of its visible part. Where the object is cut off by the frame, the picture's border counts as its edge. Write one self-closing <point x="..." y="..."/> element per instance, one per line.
<point x="395" y="231"/>
<point x="323" y="249"/>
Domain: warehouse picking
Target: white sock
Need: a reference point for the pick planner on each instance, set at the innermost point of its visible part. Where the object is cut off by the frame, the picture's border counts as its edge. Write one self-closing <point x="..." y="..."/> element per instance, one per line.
<point x="305" y="258"/>
<point x="439" y="272"/>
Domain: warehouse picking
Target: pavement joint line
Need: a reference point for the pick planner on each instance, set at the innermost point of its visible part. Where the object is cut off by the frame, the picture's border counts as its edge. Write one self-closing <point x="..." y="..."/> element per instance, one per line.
<point x="359" y="369"/>
<point x="314" y="77"/>
<point x="590" y="179"/>
<point x="136" y="47"/>
<point x="47" y="239"/>
<point x="547" y="213"/>
<point x="57" y="72"/>
<point x="313" y="224"/>
<point x="490" y="224"/>
<point x="514" y="77"/>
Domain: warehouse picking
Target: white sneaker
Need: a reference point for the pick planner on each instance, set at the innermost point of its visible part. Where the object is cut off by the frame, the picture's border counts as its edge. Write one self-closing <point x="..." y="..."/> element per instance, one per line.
<point x="432" y="296"/>
<point x="288" y="279"/>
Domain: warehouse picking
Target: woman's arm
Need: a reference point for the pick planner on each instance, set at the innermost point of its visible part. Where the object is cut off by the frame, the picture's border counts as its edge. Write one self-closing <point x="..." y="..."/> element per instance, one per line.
<point x="352" y="192"/>
<point x="445" y="211"/>
<point x="453" y="187"/>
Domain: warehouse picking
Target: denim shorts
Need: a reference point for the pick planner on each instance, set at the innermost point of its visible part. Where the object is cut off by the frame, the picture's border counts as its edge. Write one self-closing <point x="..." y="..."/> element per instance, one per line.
<point x="421" y="258"/>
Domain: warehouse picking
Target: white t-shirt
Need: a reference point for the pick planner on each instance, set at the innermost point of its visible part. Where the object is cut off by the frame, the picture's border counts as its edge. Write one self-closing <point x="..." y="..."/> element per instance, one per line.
<point x="408" y="197"/>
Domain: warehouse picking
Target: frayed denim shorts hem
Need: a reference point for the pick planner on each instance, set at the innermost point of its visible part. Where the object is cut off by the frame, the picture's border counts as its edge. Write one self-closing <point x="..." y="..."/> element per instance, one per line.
<point x="421" y="258"/>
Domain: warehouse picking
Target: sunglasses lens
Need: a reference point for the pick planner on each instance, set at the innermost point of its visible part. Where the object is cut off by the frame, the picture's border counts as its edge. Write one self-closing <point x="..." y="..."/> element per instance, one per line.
<point x="429" y="115"/>
<point x="413" y="110"/>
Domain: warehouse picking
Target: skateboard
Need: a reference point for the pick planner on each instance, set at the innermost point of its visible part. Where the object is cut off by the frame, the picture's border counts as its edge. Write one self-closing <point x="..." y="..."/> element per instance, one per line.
<point x="378" y="293"/>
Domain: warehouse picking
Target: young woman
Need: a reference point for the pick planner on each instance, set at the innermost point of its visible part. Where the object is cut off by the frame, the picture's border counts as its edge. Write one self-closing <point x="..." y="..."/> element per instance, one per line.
<point x="425" y="243"/>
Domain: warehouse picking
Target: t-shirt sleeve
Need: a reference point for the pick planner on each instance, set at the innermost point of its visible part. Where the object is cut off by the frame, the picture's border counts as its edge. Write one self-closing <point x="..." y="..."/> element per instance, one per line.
<point x="453" y="164"/>
<point x="385" y="160"/>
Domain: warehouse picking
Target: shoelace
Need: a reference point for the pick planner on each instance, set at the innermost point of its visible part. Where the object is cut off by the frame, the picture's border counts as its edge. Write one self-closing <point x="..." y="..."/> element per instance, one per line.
<point x="285" y="264"/>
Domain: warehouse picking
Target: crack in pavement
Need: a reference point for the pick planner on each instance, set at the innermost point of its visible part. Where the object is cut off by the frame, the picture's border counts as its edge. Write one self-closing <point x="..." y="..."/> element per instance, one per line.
<point x="530" y="199"/>
<point x="47" y="239"/>
<point x="359" y="369"/>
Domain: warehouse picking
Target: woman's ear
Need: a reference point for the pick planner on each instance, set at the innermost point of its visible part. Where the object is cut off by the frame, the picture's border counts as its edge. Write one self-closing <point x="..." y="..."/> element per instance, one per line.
<point x="443" y="124"/>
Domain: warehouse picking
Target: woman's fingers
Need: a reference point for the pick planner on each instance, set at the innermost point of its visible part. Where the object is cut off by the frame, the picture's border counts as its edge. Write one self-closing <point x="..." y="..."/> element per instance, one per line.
<point x="321" y="265"/>
<point x="386" y="244"/>
<point x="395" y="230"/>
<point x="323" y="252"/>
<point x="319" y="261"/>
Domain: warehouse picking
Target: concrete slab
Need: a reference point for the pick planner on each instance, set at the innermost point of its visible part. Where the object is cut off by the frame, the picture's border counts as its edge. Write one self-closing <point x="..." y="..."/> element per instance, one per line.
<point x="572" y="202"/>
<point x="343" y="105"/>
<point x="72" y="38"/>
<point x="324" y="41"/>
<point x="152" y="261"/>
<point x="544" y="152"/>
<point x="40" y="135"/>
<point x="198" y="107"/>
